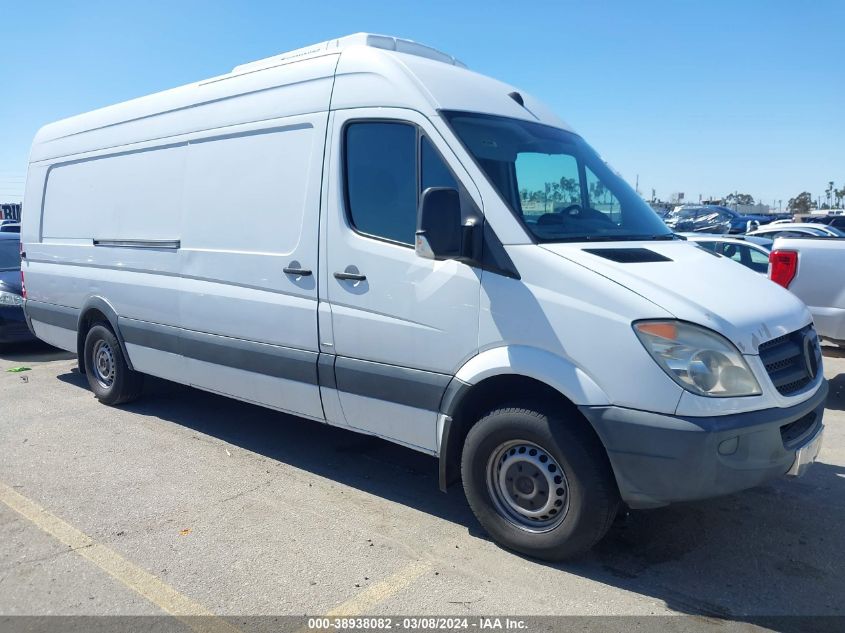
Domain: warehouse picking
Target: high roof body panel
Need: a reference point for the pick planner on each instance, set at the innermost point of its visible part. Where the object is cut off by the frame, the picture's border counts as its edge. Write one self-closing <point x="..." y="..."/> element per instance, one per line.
<point x="368" y="77"/>
<point x="368" y="71"/>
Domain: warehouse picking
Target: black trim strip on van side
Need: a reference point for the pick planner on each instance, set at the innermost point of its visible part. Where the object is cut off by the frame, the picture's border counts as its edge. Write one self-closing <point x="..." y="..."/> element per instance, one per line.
<point x="52" y="314"/>
<point x="145" y="334"/>
<point x="325" y="370"/>
<point x="260" y="358"/>
<point x="150" y="244"/>
<point x="402" y="385"/>
<point x="410" y="387"/>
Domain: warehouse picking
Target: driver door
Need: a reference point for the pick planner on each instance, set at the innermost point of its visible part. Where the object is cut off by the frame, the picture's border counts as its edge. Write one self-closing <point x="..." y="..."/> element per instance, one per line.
<point x="402" y="325"/>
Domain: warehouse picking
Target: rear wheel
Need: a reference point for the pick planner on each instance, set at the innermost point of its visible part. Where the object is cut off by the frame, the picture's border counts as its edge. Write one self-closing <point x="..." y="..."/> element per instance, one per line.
<point x="538" y="483"/>
<point x="109" y="376"/>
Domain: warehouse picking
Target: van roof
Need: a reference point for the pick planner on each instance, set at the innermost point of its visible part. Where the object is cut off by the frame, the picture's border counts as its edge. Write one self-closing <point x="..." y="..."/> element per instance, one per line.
<point x="384" y="42"/>
<point x="359" y="70"/>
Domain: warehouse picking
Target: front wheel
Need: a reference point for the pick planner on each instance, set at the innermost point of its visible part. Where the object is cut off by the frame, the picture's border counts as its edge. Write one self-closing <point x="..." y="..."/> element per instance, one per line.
<point x="109" y="376"/>
<point x="538" y="483"/>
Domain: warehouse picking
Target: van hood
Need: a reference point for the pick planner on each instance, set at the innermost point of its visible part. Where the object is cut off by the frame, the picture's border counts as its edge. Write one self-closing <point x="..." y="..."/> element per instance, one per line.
<point x="695" y="285"/>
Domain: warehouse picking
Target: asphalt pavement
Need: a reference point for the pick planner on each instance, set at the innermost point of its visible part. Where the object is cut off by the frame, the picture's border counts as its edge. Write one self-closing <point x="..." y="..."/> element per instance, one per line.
<point x="187" y="502"/>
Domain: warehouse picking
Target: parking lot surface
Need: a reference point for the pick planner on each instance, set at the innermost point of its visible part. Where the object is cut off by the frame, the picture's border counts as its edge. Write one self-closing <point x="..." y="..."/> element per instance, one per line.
<point x="189" y="502"/>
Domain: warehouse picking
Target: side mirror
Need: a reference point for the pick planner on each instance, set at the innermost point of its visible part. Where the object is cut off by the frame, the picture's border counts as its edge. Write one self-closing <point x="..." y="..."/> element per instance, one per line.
<point x="439" y="231"/>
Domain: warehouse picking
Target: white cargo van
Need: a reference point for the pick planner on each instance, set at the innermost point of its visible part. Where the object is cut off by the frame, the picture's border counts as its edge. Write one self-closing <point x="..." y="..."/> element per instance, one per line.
<point x="424" y="254"/>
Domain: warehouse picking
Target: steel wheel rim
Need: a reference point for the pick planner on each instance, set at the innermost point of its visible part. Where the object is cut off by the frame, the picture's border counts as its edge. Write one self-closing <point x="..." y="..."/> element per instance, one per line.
<point x="103" y="364"/>
<point x="527" y="486"/>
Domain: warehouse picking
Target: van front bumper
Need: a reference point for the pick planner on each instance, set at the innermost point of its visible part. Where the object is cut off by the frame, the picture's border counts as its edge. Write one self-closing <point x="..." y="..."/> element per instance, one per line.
<point x="660" y="459"/>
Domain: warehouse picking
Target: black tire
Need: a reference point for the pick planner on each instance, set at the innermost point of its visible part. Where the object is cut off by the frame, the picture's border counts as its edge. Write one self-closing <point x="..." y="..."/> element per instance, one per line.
<point x="590" y="500"/>
<point x="112" y="381"/>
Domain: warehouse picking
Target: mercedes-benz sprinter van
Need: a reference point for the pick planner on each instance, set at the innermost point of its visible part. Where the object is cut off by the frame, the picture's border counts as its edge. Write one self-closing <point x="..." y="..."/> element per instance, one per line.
<point x="366" y="233"/>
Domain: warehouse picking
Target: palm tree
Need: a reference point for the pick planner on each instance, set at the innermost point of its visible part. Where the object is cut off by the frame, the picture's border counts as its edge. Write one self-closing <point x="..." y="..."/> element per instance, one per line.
<point x="556" y="195"/>
<point x="570" y="186"/>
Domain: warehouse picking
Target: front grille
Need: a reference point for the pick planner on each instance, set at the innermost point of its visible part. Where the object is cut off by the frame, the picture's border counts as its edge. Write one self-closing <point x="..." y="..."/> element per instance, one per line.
<point x="794" y="432"/>
<point x="786" y="363"/>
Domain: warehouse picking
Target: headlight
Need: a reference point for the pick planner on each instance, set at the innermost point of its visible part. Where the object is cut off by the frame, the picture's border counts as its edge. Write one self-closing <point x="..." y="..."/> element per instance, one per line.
<point x="698" y="359"/>
<point x="10" y="299"/>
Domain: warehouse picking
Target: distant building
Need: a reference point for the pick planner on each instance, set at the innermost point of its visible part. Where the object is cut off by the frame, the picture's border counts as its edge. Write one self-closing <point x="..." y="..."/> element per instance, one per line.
<point x="751" y="209"/>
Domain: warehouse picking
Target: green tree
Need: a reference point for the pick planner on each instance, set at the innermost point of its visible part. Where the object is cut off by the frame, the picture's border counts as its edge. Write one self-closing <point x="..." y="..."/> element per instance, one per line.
<point x="557" y="196"/>
<point x="570" y="187"/>
<point x="739" y="198"/>
<point x="802" y="203"/>
<point x="840" y="195"/>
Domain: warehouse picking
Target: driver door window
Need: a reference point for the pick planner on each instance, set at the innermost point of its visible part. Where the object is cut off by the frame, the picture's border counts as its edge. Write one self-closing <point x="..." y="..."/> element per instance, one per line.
<point x="381" y="179"/>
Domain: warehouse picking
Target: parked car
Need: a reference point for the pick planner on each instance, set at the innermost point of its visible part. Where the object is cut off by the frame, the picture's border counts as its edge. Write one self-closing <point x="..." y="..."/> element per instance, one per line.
<point x="812" y="269"/>
<point x="830" y="230"/>
<point x="10" y="227"/>
<point x="748" y="250"/>
<point x="710" y="219"/>
<point x="399" y="270"/>
<point x="837" y="221"/>
<point x="687" y="219"/>
<point x="661" y="211"/>
<point x="834" y="231"/>
<point x="794" y="230"/>
<point x="13" y="328"/>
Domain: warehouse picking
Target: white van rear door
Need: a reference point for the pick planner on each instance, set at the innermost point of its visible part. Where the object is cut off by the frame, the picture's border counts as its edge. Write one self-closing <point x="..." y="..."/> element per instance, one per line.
<point x="402" y="325"/>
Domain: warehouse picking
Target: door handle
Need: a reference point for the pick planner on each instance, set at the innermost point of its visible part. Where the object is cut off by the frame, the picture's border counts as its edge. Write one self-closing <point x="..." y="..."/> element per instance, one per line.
<point x="350" y="276"/>
<point x="298" y="272"/>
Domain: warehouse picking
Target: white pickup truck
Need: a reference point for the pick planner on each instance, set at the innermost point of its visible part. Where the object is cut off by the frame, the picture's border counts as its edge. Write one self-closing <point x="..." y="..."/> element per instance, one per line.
<point x="814" y="269"/>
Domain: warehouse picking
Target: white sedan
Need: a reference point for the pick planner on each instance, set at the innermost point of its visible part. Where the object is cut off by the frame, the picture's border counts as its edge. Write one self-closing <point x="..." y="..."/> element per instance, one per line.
<point x="796" y="229"/>
<point x="749" y="250"/>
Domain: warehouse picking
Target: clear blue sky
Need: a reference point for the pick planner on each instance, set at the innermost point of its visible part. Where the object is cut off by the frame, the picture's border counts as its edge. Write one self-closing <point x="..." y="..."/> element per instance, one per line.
<point x="703" y="97"/>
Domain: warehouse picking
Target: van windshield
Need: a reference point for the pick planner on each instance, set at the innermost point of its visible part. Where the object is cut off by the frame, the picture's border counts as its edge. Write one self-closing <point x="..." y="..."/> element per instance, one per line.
<point x="554" y="182"/>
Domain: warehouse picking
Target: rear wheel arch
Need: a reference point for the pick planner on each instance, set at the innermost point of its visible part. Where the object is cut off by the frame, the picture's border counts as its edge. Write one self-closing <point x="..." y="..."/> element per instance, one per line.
<point x="97" y="310"/>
